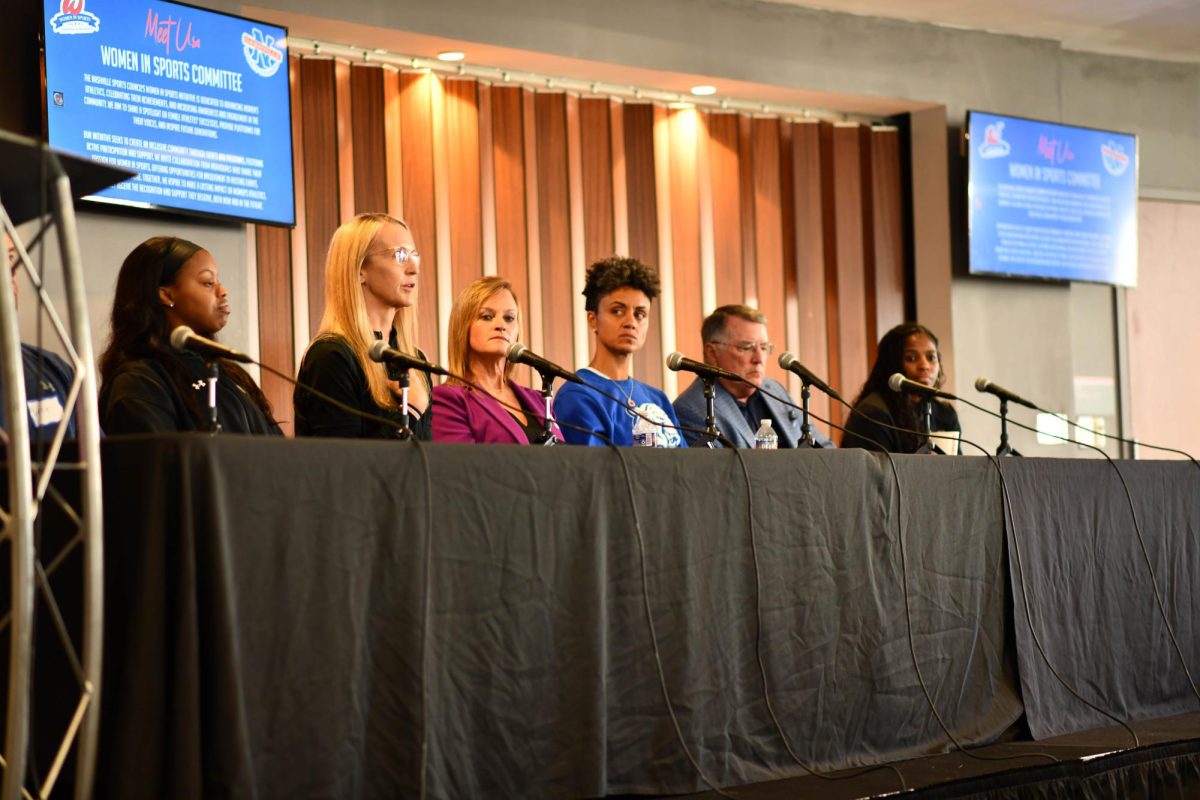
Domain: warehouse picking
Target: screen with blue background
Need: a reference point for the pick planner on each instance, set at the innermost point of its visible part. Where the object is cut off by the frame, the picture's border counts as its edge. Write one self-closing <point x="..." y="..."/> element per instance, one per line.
<point x="195" y="101"/>
<point x="1051" y="201"/>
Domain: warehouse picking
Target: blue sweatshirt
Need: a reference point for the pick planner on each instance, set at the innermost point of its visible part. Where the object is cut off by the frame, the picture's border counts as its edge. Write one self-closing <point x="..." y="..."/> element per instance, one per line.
<point x="581" y="406"/>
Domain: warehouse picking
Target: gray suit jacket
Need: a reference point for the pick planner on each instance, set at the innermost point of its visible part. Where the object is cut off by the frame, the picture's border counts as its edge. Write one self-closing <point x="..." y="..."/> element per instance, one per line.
<point x="689" y="407"/>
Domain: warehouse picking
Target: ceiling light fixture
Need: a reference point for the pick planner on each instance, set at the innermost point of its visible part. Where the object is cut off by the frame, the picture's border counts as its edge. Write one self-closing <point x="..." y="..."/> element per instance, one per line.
<point x="704" y="91"/>
<point x="451" y="55"/>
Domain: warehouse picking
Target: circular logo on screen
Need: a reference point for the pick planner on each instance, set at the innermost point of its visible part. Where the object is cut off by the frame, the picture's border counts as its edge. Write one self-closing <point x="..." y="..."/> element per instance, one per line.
<point x="72" y="18"/>
<point x="1115" y="159"/>
<point x="993" y="144"/>
<point x="263" y="53"/>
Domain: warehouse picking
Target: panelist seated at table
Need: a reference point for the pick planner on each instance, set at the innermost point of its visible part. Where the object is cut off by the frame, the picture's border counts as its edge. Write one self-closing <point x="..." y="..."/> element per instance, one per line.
<point x="484" y="321"/>
<point x="912" y="350"/>
<point x="47" y="379"/>
<point x="618" y="292"/>
<point x="735" y="340"/>
<point x="370" y="294"/>
<point x="146" y="385"/>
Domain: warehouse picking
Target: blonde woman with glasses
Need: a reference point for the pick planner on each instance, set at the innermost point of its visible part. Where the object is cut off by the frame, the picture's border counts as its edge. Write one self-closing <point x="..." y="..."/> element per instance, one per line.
<point x="370" y="294"/>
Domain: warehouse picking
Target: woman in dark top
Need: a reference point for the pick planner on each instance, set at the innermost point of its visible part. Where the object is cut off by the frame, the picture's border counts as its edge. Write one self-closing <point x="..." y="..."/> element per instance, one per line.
<point x="485" y="320"/>
<point x="147" y="386"/>
<point x="911" y="350"/>
<point x="370" y="293"/>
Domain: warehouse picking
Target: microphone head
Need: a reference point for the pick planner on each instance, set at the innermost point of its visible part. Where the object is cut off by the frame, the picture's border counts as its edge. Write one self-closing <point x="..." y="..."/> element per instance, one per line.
<point x="982" y="384"/>
<point x="896" y="382"/>
<point x="786" y="359"/>
<point x="377" y="350"/>
<point x="675" y="361"/>
<point x="180" y="336"/>
<point x="515" y="351"/>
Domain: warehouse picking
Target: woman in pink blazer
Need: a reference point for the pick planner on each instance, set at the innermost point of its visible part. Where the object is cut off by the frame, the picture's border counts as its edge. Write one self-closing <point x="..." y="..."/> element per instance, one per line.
<point x="485" y="320"/>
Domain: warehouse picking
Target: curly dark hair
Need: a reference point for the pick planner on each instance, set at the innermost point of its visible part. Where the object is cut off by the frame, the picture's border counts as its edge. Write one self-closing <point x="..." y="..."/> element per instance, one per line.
<point x="889" y="360"/>
<point x="616" y="272"/>
<point x="139" y="324"/>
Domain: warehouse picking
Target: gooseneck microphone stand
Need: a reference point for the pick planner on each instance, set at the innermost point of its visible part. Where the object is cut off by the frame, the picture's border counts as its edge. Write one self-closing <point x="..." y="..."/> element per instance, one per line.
<point x="214" y="373"/>
<point x="927" y="426"/>
<point x="1005" y="449"/>
<point x="806" y="434"/>
<point x="405" y="433"/>
<point x="547" y="437"/>
<point x="711" y="436"/>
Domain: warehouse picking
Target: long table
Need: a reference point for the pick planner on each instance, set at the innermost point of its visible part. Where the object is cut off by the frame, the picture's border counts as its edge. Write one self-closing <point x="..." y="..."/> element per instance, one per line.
<point x="310" y="619"/>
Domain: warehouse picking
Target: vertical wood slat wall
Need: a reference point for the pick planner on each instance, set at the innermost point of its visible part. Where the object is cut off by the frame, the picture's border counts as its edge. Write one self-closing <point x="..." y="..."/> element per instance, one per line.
<point x="801" y="219"/>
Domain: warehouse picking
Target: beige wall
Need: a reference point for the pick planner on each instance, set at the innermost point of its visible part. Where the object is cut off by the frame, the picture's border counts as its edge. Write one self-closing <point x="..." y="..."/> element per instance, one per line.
<point x="1164" y="328"/>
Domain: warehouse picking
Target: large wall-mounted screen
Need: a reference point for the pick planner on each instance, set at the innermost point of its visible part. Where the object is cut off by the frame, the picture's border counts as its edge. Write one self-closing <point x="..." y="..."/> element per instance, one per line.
<point x="196" y="102"/>
<point x="1051" y="201"/>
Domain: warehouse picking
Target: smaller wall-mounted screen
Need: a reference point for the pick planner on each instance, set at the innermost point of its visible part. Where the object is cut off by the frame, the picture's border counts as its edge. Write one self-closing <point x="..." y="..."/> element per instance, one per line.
<point x="1051" y="201"/>
<point x="196" y="102"/>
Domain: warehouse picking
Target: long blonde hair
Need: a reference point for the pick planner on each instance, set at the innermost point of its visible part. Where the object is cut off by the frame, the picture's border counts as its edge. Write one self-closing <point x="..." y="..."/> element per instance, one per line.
<point x="463" y="315"/>
<point x="345" y="312"/>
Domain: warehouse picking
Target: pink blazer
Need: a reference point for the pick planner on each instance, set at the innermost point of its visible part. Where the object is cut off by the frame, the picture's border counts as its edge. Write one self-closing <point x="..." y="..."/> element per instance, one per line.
<point x="460" y="415"/>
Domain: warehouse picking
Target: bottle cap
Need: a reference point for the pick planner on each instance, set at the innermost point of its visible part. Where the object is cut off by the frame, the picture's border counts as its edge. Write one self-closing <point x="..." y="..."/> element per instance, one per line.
<point x="766" y="422"/>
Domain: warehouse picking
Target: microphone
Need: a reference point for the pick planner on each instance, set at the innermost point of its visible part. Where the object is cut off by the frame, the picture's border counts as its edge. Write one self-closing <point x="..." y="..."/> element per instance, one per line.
<point x="520" y="354"/>
<point x="982" y="384"/>
<point x="379" y="351"/>
<point x="184" y="338"/>
<point x="899" y="383"/>
<point x="678" y="361"/>
<point x="789" y="362"/>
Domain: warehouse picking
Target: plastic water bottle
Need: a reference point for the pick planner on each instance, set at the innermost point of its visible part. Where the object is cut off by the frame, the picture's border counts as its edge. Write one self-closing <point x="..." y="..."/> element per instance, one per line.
<point x="645" y="433"/>
<point x="766" y="438"/>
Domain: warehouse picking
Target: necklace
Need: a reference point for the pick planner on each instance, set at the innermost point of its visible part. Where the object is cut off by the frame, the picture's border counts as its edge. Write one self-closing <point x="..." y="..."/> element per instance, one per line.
<point x="622" y="387"/>
<point x="629" y="404"/>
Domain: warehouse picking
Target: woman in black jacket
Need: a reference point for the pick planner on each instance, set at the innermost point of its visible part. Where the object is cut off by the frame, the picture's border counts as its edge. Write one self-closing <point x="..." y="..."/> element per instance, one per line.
<point x="910" y="349"/>
<point x="148" y="387"/>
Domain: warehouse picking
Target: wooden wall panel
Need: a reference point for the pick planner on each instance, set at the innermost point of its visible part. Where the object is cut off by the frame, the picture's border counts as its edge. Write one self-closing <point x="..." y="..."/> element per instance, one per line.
<point x="812" y="346"/>
<point x="791" y="296"/>
<point x="487" y="177"/>
<point x="620" y="185"/>
<point x="704" y="195"/>
<point x="367" y="131"/>
<point x="273" y="251"/>
<point x="299" y="242"/>
<point x="597" y="172"/>
<point x="462" y="152"/>
<point x="867" y="204"/>
<point x="580" y="344"/>
<point x="643" y="219"/>
<point x="888" y="232"/>
<point x="508" y="160"/>
<point x="837" y="412"/>
<point x="851" y="268"/>
<point x="392" y="143"/>
<point x="416" y="132"/>
<point x="685" y="127"/>
<point x="345" y="140"/>
<point x="746" y="197"/>
<point x="768" y="231"/>
<point x="443" y="265"/>
<point x="804" y="220"/>
<point x="723" y="160"/>
<point x="322" y="213"/>
<point x="533" y="234"/>
<point x="554" y="227"/>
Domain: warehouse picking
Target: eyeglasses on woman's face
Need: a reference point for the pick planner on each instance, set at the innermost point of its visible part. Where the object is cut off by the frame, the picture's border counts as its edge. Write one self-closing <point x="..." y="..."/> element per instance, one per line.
<point x="401" y="255"/>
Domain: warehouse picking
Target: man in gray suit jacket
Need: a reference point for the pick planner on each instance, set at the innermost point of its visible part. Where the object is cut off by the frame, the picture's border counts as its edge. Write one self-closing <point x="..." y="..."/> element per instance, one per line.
<point x="735" y="339"/>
